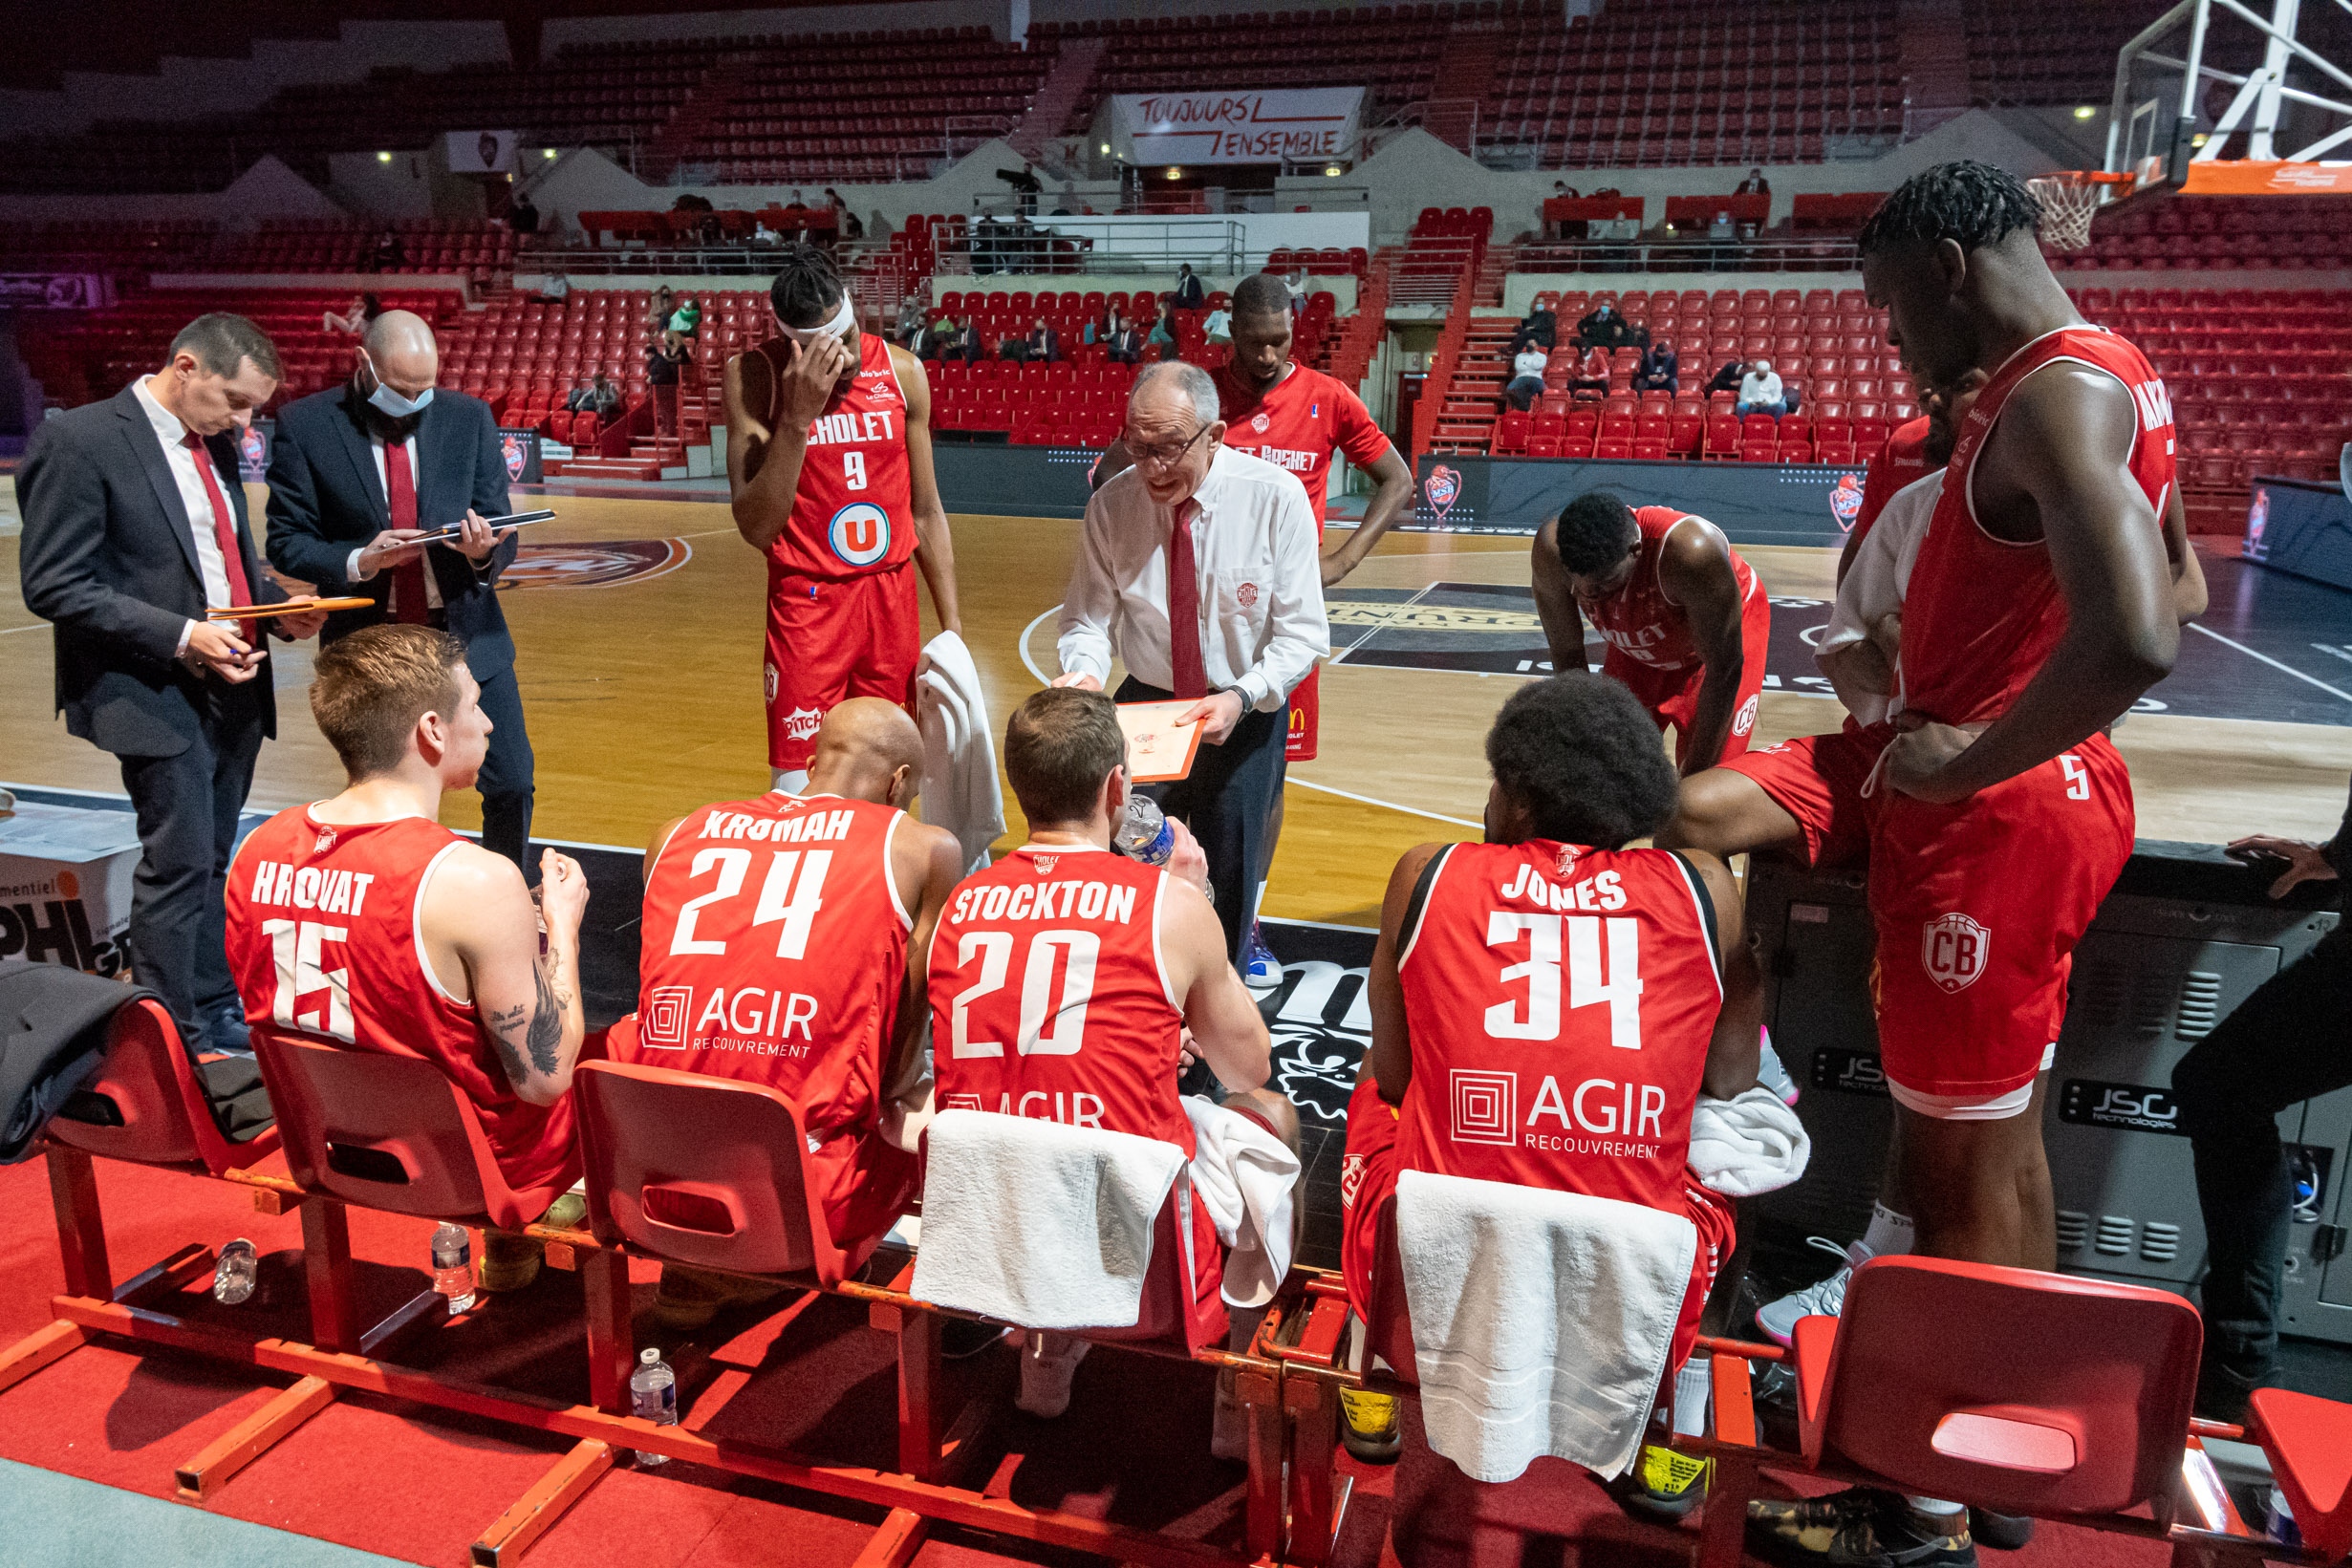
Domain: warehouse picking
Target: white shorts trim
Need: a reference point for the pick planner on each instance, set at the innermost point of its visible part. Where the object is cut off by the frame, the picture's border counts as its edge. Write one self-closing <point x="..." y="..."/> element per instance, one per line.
<point x="1961" y="1108"/>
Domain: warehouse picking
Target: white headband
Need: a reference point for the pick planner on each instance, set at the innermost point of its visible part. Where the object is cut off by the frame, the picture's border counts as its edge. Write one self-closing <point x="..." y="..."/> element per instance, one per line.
<point x="839" y="326"/>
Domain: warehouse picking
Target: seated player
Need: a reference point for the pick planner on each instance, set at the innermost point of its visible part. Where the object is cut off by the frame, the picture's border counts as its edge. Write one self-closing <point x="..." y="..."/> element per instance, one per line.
<point x="1577" y="774"/>
<point x="1162" y="988"/>
<point x="361" y="923"/>
<point x="774" y="950"/>
<point x="1686" y="620"/>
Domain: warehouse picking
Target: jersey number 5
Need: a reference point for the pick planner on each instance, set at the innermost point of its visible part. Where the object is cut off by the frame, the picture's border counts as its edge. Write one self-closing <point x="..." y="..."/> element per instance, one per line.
<point x="1620" y="988"/>
<point x="1038" y="1007"/>
<point x="793" y="901"/>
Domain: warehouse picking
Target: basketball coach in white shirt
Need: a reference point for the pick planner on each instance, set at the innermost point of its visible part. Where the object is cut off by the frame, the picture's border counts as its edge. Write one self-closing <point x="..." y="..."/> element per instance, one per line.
<point x="1197" y="568"/>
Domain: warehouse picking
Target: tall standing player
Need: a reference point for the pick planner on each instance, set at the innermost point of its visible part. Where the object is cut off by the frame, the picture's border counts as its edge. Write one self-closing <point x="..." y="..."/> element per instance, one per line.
<point x="829" y="470"/>
<point x="1686" y="618"/>
<point x="2041" y="607"/>
<point x="1297" y="417"/>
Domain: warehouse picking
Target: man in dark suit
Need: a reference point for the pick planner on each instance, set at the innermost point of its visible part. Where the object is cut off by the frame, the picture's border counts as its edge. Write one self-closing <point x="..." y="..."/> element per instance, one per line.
<point x="1044" y="343"/>
<point x="1125" y="344"/>
<point x="359" y="470"/>
<point x="134" y="528"/>
<point x="1188" y="294"/>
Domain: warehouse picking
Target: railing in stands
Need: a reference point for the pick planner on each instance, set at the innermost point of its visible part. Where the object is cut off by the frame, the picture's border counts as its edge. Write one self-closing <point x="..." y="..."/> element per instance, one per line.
<point x="1209" y="244"/>
<point x="1807" y="254"/>
<point x="1443" y="360"/>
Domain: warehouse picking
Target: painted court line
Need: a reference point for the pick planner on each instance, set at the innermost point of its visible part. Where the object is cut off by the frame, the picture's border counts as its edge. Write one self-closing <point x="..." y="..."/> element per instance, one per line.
<point x="2289" y="669"/>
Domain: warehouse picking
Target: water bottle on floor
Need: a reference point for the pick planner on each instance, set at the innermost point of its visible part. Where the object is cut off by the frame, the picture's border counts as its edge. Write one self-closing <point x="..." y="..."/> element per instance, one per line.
<point x="232" y="1279"/>
<point x="453" y="1266"/>
<point x="653" y="1396"/>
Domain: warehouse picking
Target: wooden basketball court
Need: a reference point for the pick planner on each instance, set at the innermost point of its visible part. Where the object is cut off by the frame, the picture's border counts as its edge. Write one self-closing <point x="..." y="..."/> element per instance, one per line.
<point x="638" y="622"/>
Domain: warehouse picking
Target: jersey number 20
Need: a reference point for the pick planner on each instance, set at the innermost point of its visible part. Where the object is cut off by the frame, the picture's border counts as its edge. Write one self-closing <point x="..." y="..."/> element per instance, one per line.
<point x="1039" y="1008"/>
<point x="1619" y="987"/>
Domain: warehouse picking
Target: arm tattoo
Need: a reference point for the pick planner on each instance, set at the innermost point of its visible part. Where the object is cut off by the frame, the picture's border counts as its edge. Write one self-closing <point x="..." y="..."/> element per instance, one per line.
<point x="501" y="1026"/>
<point x="546" y="1023"/>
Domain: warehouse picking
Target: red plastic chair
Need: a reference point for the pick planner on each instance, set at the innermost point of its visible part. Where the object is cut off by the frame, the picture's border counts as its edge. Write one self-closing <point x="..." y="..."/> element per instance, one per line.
<point x="335" y="1107"/>
<point x="2035" y="1393"/>
<point x="709" y="1172"/>
<point x="148" y="1082"/>
<point x="2309" y="1441"/>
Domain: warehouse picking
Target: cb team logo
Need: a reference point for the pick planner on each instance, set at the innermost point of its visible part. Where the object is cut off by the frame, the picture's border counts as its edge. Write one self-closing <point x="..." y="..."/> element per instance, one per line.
<point x="1953" y="948"/>
<point x="859" y="533"/>
<point x="1846" y="500"/>
<point x="1441" y="489"/>
<point x="1744" y="719"/>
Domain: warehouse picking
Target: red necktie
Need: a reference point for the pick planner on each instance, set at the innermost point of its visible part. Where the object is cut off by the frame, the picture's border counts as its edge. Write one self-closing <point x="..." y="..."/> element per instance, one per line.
<point x="408" y="606"/>
<point x="1184" y="608"/>
<point x="225" y="535"/>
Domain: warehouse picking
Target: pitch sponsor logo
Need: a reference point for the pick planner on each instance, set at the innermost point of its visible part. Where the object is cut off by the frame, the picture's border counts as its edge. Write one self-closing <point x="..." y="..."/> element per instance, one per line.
<point x="1441" y="489"/>
<point x="601" y="564"/>
<point x="801" y="725"/>
<point x="1952" y="948"/>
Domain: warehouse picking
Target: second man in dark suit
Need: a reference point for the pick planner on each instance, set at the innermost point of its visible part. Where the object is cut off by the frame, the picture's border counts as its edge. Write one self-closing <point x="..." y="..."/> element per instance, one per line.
<point x="356" y="473"/>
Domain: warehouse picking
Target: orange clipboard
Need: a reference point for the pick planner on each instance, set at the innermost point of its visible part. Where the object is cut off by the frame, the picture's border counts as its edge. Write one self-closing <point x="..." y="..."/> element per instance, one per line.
<point x="1159" y="750"/>
<point x="289" y="607"/>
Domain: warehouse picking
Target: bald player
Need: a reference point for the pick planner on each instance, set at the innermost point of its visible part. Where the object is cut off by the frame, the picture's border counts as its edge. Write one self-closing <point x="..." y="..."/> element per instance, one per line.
<point x="356" y="473"/>
<point x="829" y="475"/>
<point x="776" y="949"/>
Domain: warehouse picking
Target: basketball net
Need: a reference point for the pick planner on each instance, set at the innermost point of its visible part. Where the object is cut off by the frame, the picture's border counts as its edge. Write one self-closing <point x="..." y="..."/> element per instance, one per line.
<point x="2070" y="201"/>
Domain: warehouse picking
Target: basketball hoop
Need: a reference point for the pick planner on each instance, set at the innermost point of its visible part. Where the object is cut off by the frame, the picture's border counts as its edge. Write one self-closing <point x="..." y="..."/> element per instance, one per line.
<point x="2069" y="200"/>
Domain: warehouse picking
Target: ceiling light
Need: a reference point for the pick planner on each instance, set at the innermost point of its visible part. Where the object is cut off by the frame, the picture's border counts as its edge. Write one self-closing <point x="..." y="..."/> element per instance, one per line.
<point x="383" y="158"/>
<point x="550" y="152"/>
<point x="1174" y="173"/>
<point x="1106" y="147"/>
<point x="2086" y="112"/>
<point x="1331" y="170"/>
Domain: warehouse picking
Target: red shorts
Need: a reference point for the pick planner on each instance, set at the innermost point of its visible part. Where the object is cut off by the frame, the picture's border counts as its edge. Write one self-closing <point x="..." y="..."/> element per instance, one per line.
<point x="1672" y="696"/>
<point x="1818" y="780"/>
<point x="1305" y="710"/>
<point x="865" y="1184"/>
<point x="1978" y="907"/>
<point x="832" y="638"/>
<point x="1367" y="1176"/>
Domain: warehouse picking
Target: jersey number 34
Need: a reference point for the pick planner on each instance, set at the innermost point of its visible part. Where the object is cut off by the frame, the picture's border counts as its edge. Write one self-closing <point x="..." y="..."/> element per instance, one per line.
<point x="1619" y="987"/>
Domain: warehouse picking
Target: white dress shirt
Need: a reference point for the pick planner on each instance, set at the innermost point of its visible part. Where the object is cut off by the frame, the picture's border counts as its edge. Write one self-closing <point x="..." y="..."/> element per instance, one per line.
<point x="1759" y="389"/>
<point x="350" y="566"/>
<point x="194" y="498"/>
<point x="1880" y="576"/>
<point x="1262" y="619"/>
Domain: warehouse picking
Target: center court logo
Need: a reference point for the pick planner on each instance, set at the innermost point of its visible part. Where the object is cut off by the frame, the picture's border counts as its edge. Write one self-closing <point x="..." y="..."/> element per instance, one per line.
<point x="1953" y="948"/>
<point x="859" y="533"/>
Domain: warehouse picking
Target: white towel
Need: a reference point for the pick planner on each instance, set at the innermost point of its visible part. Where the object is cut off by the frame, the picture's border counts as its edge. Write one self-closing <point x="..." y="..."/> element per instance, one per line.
<point x="1245" y="1177"/>
<point x="1747" y="1145"/>
<point x="1541" y="1319"/>
<point x="960" y="791"/>
<point x="1038" y="1224"/>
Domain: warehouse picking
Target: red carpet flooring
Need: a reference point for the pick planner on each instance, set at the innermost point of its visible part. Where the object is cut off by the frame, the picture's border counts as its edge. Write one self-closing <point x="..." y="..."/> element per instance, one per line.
<point x="420" y="1484"/>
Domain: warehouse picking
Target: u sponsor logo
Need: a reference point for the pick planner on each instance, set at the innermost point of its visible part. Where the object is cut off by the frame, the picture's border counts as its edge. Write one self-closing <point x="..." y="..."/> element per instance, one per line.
<point x="859" y="533"/>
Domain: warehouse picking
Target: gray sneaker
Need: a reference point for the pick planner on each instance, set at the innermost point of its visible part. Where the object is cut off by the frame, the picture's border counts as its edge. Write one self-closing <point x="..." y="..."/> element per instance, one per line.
<point x="1826" y="1298"/>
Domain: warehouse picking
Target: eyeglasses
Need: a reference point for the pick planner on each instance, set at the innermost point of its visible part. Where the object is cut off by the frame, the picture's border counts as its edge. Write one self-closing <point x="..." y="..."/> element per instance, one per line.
<point x="1164" y="455"/>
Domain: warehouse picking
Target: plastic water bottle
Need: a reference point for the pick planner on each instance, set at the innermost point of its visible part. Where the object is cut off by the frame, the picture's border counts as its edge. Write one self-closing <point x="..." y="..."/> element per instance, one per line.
<point x="653" y="1396"/>
<point x="1146" y="834"/>
<point x="453" y="1266"/>
<point x="232" y="1279"/>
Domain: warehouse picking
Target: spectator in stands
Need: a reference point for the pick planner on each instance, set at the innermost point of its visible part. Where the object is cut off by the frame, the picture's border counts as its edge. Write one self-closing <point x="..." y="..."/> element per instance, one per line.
<point x="761" y="234"/>
<point x="362" y="310"/>
<point x="1726" y="377"/>
<point x="1604" y="326"/>
<point x="1218" y="326"/>
<point x="686" y="321"/>
<point x="1162" y="335"/>
<point x="664" y="362"/>
<point x="521" y="215"/>
<point x="1754" y="184"/>
<point x="986" y="245"/>
<point x="1526" y="382"/>
<point x="1539" y="327"/>
<point x="852" y="226"/>
<point x="389" y="255"/>
<point x="1125" y="344"/>
<point x="1592" y="374"/>
<point x="1660" y="370"/>
<point x="1760" y="392"/>
<point x="1044" y="344"/>
<point x="665" y="305"/>
<point x="1296" y="283"/>
<point x="1188" y="293"/>
<point x="600" y="398"/>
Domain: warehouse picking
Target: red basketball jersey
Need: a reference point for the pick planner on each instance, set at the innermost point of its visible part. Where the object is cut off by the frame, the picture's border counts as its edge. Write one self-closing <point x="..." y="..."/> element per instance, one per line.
<point x="851" y="514"/>
<point x="1983" y="613"/>
<point x="1902" y="458"/>
<point x="1049" y="998"/>
<point x="1638" y="621"/>
<point x="1298" y="424"/>
<point x="323" y="942"/>
<point x="1561" y="1001"/>
<point x="774" y="950"/>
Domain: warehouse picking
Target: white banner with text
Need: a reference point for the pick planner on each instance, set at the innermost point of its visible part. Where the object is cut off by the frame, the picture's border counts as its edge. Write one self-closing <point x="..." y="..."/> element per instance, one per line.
<point x="1246" y="127"/>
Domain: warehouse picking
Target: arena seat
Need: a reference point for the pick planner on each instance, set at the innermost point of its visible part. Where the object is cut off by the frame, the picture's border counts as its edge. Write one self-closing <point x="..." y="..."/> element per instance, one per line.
<point x="392" y="1133"/>
<point x="147" y="1102"/>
